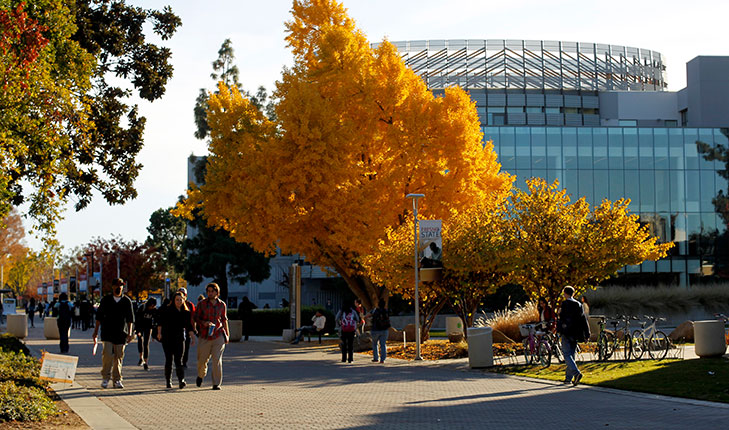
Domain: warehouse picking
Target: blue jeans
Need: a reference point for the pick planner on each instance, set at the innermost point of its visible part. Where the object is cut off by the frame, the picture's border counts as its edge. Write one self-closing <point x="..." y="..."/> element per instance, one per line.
<point x="379" y="339"/>
<point x="569" y="346"/>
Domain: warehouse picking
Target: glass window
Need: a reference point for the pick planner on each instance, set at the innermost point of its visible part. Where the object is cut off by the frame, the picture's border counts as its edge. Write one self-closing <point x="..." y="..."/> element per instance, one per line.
<point x="647" y="191"/>
<point x="539" y="148"/>
<point x="571" y="184"/>
<point x="627" y="123"/>
<point x="708" y="236"/>
<point x="571" y="110"/>
<point x="693" y="230"/>
<point x="645" y="148"/>
<point x="480" y="110"/>
<point x="693" y="191"/>
<point x="515" y="109"/>
<point x="630" y="148"/>
<point x="708" y="190"/>
<point x="721" y="138"/>
<point x="615" y="148"/>
<point x="675" y="149"/>
<point x="601" y="185"/>
<point x="508" y="156"/>
<point x="534" y="110"/>
<point x="523" y="151"/>
<point x="551" y="110"/>
<point x="679" y="235"/>
<point x="670" y="123"/>
<point x="539" y="173"/>
<point x="691" y="156"/>
<point x="554" y="148"/>
<point x="569" y="147"/>
<point x="521" y="176"/>
<point x="677" y="191"/>
<point x="492" y="109"/>
<point x="599" y="148"/>
<point x="584" y="185"/>
<point x="584" y="147"/>
<point x="617" y="190"/>
<point x="706" y="136"/>
<point x="721" y="185"/>
<point x="632" y="189"/>
<point x="663" y="195"/>
<point x="555" y="175"/>
<point x="492" y="134"/>
<point x="660" y="147"/>
<point x="496" y="118"/>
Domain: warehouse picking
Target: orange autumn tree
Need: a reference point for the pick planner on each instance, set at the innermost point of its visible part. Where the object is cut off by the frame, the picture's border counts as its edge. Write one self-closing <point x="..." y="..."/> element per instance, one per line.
<point x="562" y="243"/>
<point x="356" y="131"/>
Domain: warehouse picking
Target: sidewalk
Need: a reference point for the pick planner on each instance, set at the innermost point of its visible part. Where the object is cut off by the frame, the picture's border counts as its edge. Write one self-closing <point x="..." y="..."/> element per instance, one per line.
<point x="270" y="384"/>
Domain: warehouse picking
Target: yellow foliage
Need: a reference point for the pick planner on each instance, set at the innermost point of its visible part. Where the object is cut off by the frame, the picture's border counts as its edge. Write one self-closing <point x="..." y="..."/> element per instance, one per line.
<point x="356" y="132"/>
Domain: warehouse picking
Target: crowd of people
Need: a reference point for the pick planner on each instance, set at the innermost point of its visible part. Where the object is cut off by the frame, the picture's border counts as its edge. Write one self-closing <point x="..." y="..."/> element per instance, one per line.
<point x="82" y="310"/>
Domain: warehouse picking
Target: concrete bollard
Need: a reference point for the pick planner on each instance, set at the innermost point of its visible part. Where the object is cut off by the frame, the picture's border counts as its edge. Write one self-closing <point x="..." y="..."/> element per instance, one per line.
<point x="236" y="330"/>
<point x="18" y="325"/>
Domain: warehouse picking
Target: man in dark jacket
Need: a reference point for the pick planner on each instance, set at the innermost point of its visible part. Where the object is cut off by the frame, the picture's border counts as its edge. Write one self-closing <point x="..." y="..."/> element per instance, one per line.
<point x="116" y="318"/>
<point x="573" y="326"/>
<point x="64" y="309"/>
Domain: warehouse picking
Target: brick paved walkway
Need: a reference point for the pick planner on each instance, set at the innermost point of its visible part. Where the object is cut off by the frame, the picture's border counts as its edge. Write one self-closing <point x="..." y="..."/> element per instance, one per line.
<point x="274" y="385"/>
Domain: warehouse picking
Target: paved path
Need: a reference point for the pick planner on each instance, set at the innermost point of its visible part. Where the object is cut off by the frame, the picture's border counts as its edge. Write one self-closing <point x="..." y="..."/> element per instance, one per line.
<point x="273" y="385"/>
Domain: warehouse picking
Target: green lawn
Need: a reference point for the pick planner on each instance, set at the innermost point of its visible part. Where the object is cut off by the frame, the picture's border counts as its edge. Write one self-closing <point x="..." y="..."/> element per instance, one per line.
<point x="702" y="379"/>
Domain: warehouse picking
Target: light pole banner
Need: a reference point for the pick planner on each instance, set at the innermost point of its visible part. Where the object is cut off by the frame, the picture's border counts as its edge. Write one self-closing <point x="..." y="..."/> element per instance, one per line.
<point x="82" y="282"/>
<point x="431" y="243"/>
<point x="64" y="285"/>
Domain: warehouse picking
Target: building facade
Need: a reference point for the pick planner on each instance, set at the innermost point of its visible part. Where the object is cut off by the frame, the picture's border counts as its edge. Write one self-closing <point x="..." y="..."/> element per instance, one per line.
<point x="599" y="119"/>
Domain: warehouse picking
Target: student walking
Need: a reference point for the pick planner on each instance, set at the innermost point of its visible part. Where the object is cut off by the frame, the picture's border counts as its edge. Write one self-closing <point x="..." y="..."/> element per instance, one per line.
<point x="145" y="322"/>
<point x="115" y="316"/>
<point x="175" y="324"/>
<point x="573" y="327"/>
<point x="379" y="332"/>
<point x="348" y="319"/>
<point x="31" y="311"/>
<point x="64" y="310"/>
<point x="212" y="323"/>
<point x="245" y="313"/>
<point x="191" y="308"/>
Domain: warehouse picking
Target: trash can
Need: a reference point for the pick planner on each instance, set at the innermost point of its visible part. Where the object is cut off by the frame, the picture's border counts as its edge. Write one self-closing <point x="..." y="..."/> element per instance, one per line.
<point x="18" y="325"/>
<point x="236" y="330"/>
<point x="480" y="347"/>
<point x="453" y="325"/>
<point x="709" y="338"/>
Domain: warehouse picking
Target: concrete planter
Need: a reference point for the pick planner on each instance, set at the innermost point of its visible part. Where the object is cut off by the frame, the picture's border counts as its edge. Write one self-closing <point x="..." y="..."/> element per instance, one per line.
<point x="236" y="330"/>
<point x="50" y="328"/>
<point x="18" y="325"/>
<point x="288" y="335"/>
<point x="480" y="347"/>
<point x="709" y="338"/>
<point x="454" y="325"/>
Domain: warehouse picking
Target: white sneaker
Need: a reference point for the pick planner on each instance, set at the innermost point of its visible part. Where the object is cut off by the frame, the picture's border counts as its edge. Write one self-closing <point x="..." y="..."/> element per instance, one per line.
<point x="118" y="384"/>
<point x="105" y="383"/>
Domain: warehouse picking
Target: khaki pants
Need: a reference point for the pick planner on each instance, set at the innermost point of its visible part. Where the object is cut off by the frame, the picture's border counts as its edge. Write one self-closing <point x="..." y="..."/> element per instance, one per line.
<point x="111" y="358"/>
<point x="207" y="349"/>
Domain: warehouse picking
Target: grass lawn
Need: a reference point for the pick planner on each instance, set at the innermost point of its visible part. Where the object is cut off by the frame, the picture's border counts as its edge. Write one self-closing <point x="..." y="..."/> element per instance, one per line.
<point x="702" y="379"/>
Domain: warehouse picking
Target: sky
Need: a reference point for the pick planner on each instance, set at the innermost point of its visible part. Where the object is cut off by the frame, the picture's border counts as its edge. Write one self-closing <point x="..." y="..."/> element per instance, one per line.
<point x="679" y="30"/>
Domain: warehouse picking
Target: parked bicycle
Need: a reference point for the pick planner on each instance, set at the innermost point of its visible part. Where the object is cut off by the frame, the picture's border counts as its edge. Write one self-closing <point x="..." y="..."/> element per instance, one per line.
<point x="610" y="343"/>
<point x="657" y="343"/>
<point x="537" y="347"/>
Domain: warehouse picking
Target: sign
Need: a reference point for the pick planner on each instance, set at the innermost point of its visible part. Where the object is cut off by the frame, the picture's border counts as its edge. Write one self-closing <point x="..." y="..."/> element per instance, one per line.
<point x="58" y="368"/>
<point x="83" y="284"/>
<point x="56" y="286"/>
<point x="9" y="306"/>
<point x="40" y="290"/>
<point x="64" y="285"/>
<point x="72" y="287"/>
<point x="431" y="243"/>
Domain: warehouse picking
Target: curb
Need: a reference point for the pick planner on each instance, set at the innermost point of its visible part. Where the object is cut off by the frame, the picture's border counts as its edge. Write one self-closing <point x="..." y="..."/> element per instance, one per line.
<point x="95" y="413"/>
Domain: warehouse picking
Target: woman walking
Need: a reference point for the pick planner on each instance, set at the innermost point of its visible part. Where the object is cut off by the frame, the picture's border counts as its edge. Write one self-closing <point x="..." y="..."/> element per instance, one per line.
<point x="145" y="321"/>
<point x="379" y="332"/>
<point x="175" y="322"/>
<point x="348" y="318"/>
<point x="31" y="311"/>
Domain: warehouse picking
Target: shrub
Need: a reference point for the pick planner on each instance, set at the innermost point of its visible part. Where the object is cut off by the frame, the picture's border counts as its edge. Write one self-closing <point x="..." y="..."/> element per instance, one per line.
<point x="508" y="321"/>
<point x="22" y="369"/>
<point x="19" y="403"/>
<point x="8" y="342"/>
<point x="272" y="322"/>
<point x="663" y="298"/>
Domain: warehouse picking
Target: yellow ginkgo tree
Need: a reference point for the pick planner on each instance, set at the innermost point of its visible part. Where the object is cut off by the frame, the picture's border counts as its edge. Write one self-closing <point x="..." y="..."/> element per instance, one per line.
<point x="560" y="242"/>
<point x="356" y="131"/>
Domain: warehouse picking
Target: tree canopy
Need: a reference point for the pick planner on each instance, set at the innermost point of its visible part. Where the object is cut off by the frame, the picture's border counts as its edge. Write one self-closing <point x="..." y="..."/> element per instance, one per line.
<point x="65" y="129"/>
<point x="355" y="132"/>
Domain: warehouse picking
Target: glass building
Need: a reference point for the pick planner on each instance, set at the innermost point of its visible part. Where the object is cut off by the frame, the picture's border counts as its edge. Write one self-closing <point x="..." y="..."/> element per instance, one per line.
<point x="597" y="118"/>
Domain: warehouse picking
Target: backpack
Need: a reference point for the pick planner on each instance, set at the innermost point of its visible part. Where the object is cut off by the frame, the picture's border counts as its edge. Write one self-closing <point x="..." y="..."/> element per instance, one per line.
<point x="349" y="322"/>
<point x="64" y="312"/>
<point x="380" y="320"/>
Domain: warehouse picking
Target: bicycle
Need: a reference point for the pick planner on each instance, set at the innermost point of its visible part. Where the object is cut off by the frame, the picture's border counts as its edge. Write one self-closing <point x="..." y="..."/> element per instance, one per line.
<point x="626" y="339"/>
<point x="536" y="345"/>
<point x="605" y="340"/>
<point x="658" y="343"/>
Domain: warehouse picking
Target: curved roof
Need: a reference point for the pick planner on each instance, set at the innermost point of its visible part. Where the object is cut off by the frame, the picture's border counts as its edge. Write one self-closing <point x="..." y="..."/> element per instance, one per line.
<point x="533" y="64"/>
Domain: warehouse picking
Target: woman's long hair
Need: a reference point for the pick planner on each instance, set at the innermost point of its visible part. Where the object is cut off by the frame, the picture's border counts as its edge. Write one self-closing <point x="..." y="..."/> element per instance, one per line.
<point x="184" y="304"/>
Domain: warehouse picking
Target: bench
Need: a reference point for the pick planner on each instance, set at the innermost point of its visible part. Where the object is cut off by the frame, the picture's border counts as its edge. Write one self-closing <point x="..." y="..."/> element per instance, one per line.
<point x="319" y="333"/>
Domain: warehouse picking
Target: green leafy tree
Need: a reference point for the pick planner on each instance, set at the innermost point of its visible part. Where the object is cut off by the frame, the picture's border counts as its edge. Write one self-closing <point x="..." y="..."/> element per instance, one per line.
<point x="166" y="235"/>
<point x="66" y="129"/>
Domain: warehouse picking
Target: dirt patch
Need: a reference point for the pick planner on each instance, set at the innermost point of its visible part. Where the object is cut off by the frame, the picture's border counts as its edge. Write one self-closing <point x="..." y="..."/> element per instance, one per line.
<point x="66" y="420"/>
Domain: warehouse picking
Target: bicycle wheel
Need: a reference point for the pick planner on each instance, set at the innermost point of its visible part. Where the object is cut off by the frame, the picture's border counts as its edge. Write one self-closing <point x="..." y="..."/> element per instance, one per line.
<point x="610" y="346"/>
<point x="556" y="342"/>
<point x="658" y="345"/>
<point x="638" y="344"/>
<point x="602" y="347"/>
<point x="545" y="354"/>
<point x="528" y="351"/>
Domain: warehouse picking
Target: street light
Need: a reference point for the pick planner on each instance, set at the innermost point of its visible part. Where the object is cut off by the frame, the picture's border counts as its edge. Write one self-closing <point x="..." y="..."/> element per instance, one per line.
<point x="415" y="198"/>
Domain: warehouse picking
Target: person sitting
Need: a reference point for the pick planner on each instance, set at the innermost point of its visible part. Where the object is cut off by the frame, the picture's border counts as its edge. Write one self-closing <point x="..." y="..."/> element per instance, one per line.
<point x="318" y="321"/>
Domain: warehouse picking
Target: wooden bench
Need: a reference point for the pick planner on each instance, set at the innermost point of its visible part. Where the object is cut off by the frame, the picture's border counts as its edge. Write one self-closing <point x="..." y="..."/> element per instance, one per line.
<point x="319" y="333"/>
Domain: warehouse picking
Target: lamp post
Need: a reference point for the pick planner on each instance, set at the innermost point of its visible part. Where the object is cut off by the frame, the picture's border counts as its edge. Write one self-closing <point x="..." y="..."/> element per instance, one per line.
<point x="415" y="198"/>
<point x="118" y="272"/>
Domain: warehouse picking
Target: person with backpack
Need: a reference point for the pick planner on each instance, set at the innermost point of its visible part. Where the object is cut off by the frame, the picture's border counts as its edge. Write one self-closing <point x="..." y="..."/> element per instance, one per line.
<point x="380" y="331"/>
<point x="64" y="310"/>
<point x="175" y="324"/>
<point x="574" y="327"/>
<point x="348" y="318"/>
<point x="145" y="322"/>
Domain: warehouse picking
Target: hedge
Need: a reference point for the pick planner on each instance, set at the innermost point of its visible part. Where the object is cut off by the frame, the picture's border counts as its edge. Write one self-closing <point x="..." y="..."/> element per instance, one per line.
<point x="272" y="322"/>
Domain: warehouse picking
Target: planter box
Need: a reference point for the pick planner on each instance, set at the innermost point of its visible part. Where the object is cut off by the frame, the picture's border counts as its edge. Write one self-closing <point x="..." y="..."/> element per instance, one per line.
<point x="709" y="338"/>
<point x="50" y="328"/>
<point x="18" y="325"/>
<point x="236" y="330"/>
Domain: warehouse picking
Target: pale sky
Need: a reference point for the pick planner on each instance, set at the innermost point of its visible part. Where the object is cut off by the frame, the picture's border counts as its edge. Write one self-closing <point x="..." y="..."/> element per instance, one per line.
<point x="679" y="30"/>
